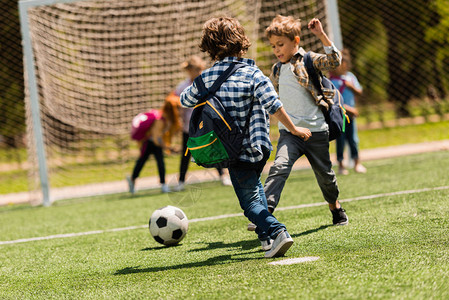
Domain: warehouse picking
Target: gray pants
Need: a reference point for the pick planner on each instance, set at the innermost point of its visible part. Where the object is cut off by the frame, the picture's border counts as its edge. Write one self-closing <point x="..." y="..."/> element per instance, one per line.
<point x="290" y="148"/>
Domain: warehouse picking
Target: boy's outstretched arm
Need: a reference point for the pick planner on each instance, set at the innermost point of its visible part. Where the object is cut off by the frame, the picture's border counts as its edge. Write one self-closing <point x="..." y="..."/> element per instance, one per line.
<point x="317" y="29"/>
<point x="332" y="59"/>
<point x="302" y="132"/>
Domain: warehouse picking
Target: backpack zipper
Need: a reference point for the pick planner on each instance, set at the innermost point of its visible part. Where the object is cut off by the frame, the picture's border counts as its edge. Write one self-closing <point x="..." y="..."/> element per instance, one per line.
<point x="216" y="111"/>
<point x="199" y="147"/>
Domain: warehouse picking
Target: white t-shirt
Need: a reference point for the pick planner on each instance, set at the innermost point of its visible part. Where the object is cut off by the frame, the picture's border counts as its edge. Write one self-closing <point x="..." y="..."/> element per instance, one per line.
<point x="299" y="103"/>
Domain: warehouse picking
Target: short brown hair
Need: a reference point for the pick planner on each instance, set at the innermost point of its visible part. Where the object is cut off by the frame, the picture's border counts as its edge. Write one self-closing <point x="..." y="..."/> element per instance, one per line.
<point x="222" y="37"/>
<point x="284" y="26"/>
<point x="194" y="62"/>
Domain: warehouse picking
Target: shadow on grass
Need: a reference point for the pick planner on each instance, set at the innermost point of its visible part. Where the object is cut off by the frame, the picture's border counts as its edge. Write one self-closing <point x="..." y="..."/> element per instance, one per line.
<point x="244" y="245"/>
<point x="213" y="261"/>
<point x="247" y="246"/>
<point x="161" y="247"/>
<point x="311" y="231"/>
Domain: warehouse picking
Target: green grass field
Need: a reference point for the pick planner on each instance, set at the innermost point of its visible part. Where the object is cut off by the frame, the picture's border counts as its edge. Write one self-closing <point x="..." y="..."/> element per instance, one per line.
<point x="396" y="246"/>
<point x="14" y="181"/>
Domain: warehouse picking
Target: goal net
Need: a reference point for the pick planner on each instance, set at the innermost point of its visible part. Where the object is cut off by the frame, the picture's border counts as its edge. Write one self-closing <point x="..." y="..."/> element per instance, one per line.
<point x="99" y="63"/>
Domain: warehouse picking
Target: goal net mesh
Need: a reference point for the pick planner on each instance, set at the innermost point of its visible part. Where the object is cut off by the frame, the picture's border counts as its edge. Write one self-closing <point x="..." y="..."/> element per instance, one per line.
<point x="99" y="63"/>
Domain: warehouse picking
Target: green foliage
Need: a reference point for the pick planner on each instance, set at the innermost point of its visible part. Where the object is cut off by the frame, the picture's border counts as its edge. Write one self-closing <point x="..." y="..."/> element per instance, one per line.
<point x="12" y="116"/>
<point x="370" y="66"/>
<point x="390" y="35"/>
<point x="439" y="36"/>
<point x="395" y="246"/>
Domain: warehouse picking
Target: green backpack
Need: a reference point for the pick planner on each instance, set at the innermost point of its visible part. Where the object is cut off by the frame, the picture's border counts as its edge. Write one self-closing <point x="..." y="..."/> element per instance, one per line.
<point x="215" y="138"/>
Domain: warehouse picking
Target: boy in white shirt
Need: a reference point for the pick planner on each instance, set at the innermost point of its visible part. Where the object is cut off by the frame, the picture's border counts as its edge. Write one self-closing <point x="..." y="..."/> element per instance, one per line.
<point x="304" y="106"/>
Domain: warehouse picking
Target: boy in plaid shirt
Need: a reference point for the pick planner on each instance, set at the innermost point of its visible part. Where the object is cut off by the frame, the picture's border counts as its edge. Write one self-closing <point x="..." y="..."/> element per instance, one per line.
<point x="225" y="41"/>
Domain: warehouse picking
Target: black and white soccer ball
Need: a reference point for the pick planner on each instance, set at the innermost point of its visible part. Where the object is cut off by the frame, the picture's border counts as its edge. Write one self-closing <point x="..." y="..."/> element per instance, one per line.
<point x="168" y="225"/>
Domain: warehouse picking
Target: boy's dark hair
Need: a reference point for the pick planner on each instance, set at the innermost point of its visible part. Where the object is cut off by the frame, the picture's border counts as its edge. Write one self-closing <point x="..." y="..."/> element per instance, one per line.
<point x="222" y="37"/>
<point x="284" y="26"/>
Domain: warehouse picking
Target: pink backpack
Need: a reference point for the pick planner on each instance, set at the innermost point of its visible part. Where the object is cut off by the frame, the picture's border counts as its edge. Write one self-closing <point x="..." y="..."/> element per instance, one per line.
<point x="143" y="122"/>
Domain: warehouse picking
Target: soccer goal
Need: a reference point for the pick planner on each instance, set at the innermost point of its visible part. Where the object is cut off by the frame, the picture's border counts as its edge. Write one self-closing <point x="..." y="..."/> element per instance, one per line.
<point x="92" y="65"/>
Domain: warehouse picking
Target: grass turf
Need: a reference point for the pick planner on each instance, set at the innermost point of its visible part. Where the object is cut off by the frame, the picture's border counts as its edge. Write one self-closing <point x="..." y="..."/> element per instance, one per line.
<point x="74" y="174"/>
<point x="395" y="246"/>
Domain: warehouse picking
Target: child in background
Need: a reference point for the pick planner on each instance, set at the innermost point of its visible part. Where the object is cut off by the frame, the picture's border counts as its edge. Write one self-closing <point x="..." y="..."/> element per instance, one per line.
<point x="148" y="130"/>
<point x="304" y="107"/>
<point x="225" y="41"/>
<point x="193" y="67"/>
<point x="350" y="88"/>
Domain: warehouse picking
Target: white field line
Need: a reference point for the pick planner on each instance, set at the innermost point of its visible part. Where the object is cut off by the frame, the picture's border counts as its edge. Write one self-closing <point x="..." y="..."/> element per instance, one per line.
<point x="292" y="261"/>
<point x="67" y="235"/>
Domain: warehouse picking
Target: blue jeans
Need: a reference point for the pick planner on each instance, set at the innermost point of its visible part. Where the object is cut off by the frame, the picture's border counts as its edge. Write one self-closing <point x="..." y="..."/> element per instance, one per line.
<point x="351" y="136"/>
<point x="249" y="191"/>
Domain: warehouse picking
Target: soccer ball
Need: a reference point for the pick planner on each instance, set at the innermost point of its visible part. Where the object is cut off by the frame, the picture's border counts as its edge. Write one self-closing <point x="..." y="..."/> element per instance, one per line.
<point x="168" y="225"/>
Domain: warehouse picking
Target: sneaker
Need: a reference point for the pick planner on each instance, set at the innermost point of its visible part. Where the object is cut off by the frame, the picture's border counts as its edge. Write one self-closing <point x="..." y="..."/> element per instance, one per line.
<point x="130" y="184"/>
<point x="360" y="169"/>
<point x="280" y="245"/>
<point x="339" y="217"/>
<point x="226" y="181"/>
<point x="252" y="227"/>
<point x="266" y="245"/>
<point x="165" y="188"/>
<point x="180" y="187"/>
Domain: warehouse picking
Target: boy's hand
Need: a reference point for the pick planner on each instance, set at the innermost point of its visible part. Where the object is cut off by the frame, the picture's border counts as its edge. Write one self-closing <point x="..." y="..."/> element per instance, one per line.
<point x="351" y="86"/>
<point x="351" y="111"/>
<point x="315" y="27"/>
<point x="302" y="132"/>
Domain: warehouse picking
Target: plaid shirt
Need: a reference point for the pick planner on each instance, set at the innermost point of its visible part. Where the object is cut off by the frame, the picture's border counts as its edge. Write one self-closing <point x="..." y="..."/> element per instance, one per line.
<point x="322" y="62"/>
<point x="248" y="84"/>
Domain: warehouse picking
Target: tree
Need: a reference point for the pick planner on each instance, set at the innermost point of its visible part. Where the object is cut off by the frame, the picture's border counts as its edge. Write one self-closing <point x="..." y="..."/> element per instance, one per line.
<point x="410" y="58"/>
<point x="12" y="116"/>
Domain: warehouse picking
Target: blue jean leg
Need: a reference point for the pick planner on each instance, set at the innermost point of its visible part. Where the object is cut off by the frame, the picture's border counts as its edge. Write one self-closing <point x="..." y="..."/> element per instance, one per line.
<point x="340" y="146"/>
<point x="249" y="191"/>
<point x="350" y="135"/>
<point x="353" y="139"/>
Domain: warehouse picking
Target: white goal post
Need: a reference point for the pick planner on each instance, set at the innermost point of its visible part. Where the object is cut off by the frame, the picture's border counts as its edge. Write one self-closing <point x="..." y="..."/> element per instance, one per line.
<point x="91" y="65"/>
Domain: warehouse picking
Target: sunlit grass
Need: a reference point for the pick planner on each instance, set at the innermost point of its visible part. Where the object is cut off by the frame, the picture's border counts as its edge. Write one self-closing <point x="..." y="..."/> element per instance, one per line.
<point x="395" y="246"/>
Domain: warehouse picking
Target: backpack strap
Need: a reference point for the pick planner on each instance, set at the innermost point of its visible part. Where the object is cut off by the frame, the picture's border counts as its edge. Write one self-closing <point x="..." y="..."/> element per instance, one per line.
<point x="277" y="68"/>
<point x="313" y="75"/>
<point x="224" y="76"/>
<point x="203" y="92"/>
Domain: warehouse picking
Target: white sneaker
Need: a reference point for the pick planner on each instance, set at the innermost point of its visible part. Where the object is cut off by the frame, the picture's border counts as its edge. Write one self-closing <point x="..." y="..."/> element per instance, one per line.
<point x="266" y="245"/>
<point x="360" y="169"/>
<point x="130" y="184"/>
<point x="280" y="245"/>
<point x="180" y="187"/>
<point x="226" y="181"/>
<point x="165" y="188"/>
